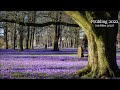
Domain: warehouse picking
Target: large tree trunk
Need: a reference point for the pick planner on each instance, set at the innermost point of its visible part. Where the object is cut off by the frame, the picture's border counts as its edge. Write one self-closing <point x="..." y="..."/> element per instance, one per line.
<point x="101" y="47"/>
<point x="102" y="56"/>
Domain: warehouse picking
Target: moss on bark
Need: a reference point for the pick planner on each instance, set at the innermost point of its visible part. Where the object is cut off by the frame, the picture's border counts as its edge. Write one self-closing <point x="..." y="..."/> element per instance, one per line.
<point x="101" y="62"/>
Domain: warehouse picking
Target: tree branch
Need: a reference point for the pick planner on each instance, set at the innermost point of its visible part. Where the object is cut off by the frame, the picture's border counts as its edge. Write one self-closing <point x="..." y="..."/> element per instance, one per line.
<point x="38" y="24"/>
<point x="80" y="19"/>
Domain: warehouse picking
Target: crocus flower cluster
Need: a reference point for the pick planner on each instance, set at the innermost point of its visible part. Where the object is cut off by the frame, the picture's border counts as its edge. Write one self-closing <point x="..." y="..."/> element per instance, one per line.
<point x="41" y="64"/>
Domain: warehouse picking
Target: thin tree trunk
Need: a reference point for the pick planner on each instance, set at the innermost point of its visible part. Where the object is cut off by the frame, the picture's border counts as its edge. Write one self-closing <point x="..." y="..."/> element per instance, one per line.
<point x="31" y="33"/>
<point x="61" y="36"/>
<point x="57" y="33"/>
<point x="32" y="38"/>
<point x="14" y="37"/>
<point x="32" y="43"/>
<point x="71" y="43"/>
<point x="56" y="38"/>
<point x="118" y="40"/>
<point x="34" y="19"/>
<point x="76" y="40"/>
<point x="27" y="40"/>
<point x="21" y="38"/>
<point x="6" y="36"/>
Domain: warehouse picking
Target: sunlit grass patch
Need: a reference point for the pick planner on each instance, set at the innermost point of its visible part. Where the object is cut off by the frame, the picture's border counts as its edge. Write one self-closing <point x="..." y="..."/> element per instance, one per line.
<point x="62" y="76"/>
<point x="30" y="75"/>
<point x="20" y="75"/>
<point x="17" y="74"/>
<point x="1" y="76"/>
<point x="41" y="75"/>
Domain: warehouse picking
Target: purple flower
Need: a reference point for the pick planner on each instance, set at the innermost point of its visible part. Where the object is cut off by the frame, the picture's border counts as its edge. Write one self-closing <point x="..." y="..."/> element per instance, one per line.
<point x="41" y="64"/>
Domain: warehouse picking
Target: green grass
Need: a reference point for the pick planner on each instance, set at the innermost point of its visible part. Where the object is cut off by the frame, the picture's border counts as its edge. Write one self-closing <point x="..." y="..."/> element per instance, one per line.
<point x="31" y="75"/>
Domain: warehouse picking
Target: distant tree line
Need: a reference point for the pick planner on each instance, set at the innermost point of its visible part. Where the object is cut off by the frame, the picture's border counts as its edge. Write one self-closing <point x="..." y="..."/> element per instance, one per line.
<point x="25" y="29"/>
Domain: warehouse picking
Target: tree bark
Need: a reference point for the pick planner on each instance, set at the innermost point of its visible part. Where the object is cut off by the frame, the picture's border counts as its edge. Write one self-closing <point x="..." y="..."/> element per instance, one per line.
<point x="32" y="42"/>
<point x="21" y="38"/>
<point x="34" y="19"/>
<point x="57" y="33"/>
<point x="101" y="46"/>
<point x="38" y="24"/>
<point x="14" y="37"/>
<point x="118" y="39"/>
<point x="27" y="40"/>
<point x="6" y="36"/>
<point x="31" y="31"/>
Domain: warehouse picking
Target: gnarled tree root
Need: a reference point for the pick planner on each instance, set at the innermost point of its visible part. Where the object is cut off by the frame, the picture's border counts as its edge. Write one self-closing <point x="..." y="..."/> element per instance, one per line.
<point x="87" y="73"/>
<point x="83" y="71"/>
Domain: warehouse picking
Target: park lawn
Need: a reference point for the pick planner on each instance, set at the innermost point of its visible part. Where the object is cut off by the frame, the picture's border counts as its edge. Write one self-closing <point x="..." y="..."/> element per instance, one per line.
<point x="37" y="65"/>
